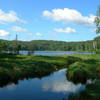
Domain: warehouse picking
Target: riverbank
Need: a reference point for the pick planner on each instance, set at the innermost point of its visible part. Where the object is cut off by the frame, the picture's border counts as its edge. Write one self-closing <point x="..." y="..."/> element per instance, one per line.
<point x="92" y="92"/>
<point x="81" y="71"/>
<point x="80" y="68"/>
<point x="18" y="67"/>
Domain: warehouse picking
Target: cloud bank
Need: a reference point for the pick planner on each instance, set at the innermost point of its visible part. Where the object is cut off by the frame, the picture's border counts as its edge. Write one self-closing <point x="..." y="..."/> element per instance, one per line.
<point x="70" y="16"/>
<point x="10" y="17"/>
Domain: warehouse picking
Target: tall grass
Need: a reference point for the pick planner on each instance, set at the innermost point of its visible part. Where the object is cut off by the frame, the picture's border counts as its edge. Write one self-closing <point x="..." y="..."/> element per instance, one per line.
<point x="80" y="71"/>
<point x="16" y="67"/>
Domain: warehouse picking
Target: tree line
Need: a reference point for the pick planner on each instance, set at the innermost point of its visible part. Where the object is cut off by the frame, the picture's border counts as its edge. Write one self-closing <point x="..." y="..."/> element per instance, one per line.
<point x="50" y="45"/>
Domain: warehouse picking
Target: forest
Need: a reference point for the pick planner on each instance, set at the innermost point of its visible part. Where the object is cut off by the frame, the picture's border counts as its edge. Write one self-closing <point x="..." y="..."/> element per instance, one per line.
<point x="50" y="45"/>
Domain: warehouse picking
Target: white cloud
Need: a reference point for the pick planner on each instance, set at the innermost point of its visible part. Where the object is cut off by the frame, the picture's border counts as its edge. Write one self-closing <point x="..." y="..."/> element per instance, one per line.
<point x="65" y="30"/>
<point x="18" y="29"/>
<point x="10" y="17"/>
<point x="4" y="33"/>
<point x="57" y="85"/>
<point x="70" y="16"/>
<point x="39" y="34"/>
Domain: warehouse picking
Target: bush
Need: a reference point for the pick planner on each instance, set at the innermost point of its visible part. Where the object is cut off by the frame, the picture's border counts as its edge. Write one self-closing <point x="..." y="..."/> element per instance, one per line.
<point x="78" y="72"/>
<point x="98" y="72"/>
<point x="71" y="59"/>
<point x="97" y="51"/>
<point x="90" y="61"/>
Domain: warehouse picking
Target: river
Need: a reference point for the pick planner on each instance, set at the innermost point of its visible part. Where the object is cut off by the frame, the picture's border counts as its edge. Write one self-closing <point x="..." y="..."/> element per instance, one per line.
<point x="52" y="87"/>
<point x="52" y="53"/>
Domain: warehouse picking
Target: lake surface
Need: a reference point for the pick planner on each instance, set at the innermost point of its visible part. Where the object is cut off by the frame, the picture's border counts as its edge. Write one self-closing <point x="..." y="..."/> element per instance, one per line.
<point x="52" y="53"/>
<point x="52" y="87"/>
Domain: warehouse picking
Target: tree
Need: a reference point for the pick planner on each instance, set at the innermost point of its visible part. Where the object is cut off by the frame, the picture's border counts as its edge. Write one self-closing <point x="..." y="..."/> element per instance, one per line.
<point x="97" y="21"/>
<point x="2" y="45"/>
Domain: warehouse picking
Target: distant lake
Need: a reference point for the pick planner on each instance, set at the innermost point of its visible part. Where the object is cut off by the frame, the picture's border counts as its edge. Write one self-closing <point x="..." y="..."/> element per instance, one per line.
<point x="52" y="53"/>
<point x="52" y="87"/>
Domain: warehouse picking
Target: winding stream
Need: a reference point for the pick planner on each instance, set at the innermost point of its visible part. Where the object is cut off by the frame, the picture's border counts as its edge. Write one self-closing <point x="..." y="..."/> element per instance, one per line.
<point x="52" y="87"/>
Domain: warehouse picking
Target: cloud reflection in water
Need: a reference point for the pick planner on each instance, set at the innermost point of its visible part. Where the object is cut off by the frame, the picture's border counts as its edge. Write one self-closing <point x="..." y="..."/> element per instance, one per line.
<point x="59" y="83"/>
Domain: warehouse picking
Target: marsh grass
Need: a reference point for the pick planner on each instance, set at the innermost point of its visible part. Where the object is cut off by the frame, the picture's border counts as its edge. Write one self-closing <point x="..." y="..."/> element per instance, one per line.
<point x="80" y="71"/>
<point x="92" y="92"/>
<point x="17" y="67"/>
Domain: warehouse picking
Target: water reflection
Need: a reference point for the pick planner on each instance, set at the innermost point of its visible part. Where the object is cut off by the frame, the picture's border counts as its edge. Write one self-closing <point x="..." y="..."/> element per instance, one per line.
<point x="52" y="87"/>
<point x="6" y="82"/>
<point x="10" y="87"/>
<point x="58" y="83"/>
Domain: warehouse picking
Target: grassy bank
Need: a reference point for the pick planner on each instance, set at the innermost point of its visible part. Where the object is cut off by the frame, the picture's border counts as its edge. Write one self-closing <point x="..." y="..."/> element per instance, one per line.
<point x="92" y="92"/>
<point x="80" y="71"/>
<point x="17" y="67"/>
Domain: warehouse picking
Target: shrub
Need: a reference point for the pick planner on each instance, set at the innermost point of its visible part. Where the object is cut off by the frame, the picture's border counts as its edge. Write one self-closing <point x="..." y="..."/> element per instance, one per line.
<point x="98" y="51"/>
<point x="90" y="61"/>
<point x="71" y="59"/>
<point x="78" y="72"/>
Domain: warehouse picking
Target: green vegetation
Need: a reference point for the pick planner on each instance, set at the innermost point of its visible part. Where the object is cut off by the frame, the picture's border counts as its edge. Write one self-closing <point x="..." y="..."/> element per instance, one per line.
<point x="17" y="67"/>
<point x="97" y="20"/>
<point x="92" y="92"/>
<point x="2" y="45"/>
<point x="82" y="70"/>
<point x="50" y="45"/>
<point x="72" y="59"/>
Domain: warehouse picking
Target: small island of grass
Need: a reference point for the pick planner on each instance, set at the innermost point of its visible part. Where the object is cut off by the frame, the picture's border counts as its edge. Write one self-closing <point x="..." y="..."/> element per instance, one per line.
<point x="88" y="68"/>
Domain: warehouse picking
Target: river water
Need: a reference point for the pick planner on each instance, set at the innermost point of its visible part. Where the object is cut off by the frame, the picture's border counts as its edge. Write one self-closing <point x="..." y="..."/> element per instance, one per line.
<point x="52" y="87"/>
<point x="52" y="53"/>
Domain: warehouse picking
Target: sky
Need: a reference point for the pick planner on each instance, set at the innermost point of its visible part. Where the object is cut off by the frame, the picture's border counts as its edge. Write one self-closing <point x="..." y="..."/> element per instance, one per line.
<point x="61" y="20"/>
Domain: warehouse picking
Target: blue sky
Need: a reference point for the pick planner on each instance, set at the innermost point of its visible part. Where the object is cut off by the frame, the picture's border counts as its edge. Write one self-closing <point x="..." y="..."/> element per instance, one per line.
<point x="64" y="20"/>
